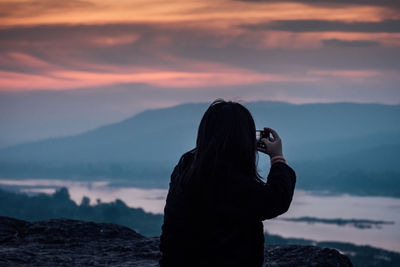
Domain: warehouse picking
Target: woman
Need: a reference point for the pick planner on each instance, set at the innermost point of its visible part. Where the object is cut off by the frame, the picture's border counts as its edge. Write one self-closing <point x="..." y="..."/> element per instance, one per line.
<point x="216" y="201"/>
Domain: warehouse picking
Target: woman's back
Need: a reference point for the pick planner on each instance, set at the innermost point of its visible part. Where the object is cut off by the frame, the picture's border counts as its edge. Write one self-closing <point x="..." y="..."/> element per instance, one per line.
<point x="216" y="220"/>
<point x="204" y="229"/>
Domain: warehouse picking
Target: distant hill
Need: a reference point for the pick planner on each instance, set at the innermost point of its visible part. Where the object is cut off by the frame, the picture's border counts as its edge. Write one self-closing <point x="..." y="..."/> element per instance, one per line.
<point x="153" y="135"/>
<point x="318" y="138"/>
<point x="308" y="131"/>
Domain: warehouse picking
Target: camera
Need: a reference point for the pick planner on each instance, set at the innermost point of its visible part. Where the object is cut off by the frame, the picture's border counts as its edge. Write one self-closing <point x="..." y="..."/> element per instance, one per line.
<point x="259" y="135"/>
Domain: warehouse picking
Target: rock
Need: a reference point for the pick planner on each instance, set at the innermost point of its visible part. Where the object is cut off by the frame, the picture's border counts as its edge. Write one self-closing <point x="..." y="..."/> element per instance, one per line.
<point x="295" y="255"/>
<point x="65" y="242"/>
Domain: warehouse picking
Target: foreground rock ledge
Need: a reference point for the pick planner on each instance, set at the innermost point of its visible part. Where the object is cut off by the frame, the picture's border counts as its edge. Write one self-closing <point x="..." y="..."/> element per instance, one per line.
<point x="64" y="242"/>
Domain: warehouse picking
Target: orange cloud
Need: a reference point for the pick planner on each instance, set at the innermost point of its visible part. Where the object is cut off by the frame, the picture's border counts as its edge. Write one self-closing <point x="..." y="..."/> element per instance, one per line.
<point x="221" y="13"/>
<point x="69" y="79"/>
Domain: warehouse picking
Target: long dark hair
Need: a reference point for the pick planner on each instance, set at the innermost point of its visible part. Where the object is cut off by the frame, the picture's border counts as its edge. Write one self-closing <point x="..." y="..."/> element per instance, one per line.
<point x="226" y="144"/>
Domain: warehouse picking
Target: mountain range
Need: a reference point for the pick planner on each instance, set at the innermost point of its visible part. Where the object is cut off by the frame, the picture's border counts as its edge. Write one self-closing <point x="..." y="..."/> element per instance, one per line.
<point x="344" y="137"/>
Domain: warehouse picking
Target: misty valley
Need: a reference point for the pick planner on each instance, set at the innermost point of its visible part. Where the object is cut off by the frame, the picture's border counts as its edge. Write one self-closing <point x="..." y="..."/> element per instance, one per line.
<point x="342" y="148"/>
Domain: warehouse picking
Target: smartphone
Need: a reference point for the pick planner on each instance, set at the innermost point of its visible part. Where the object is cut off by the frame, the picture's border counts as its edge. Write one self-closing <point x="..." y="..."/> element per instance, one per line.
<point x="259" y="135"/>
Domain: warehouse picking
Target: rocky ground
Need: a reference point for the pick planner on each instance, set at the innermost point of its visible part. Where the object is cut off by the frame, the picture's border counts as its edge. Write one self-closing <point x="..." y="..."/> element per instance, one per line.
<point x="64" y="242"/>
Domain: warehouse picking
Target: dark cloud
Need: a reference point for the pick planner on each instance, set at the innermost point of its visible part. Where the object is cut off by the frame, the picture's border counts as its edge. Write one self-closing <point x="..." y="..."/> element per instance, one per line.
<point x="155" y="46"/>
<point x="60" y="44"/>
<point x="389" y="26"/>
<point x="297" y="61"/>
<point x="178" y="48"/>
<point x="62" y="32"/>
<point x="345" y="43"/>
<point x="382" y="3"/>
<point x="35" y="7"/>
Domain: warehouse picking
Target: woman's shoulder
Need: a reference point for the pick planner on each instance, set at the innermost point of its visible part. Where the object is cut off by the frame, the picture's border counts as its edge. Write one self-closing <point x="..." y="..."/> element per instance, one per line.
<point x="188" y="156"/>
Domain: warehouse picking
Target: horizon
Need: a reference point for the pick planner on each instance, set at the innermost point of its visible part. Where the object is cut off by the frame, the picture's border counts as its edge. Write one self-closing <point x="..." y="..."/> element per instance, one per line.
<point x="83" y="123"/>
<point x="205" y="104"/>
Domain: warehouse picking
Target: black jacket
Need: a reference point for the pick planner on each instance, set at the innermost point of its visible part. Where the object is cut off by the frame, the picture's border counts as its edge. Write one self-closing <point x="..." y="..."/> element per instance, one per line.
<point x="222" y="226"/>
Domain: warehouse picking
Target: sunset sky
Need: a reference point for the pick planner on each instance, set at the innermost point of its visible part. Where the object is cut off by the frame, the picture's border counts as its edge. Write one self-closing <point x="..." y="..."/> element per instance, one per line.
<point x="295" y="51"/>
<point x="147" y="54"/>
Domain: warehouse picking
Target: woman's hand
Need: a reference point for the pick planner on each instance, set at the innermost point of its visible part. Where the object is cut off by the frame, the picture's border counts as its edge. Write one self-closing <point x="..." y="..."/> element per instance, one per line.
<point x="273" y="145"/>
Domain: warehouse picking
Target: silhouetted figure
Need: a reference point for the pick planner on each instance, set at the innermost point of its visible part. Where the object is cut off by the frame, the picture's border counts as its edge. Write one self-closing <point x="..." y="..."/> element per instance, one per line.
<point x="216" y="201"/>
